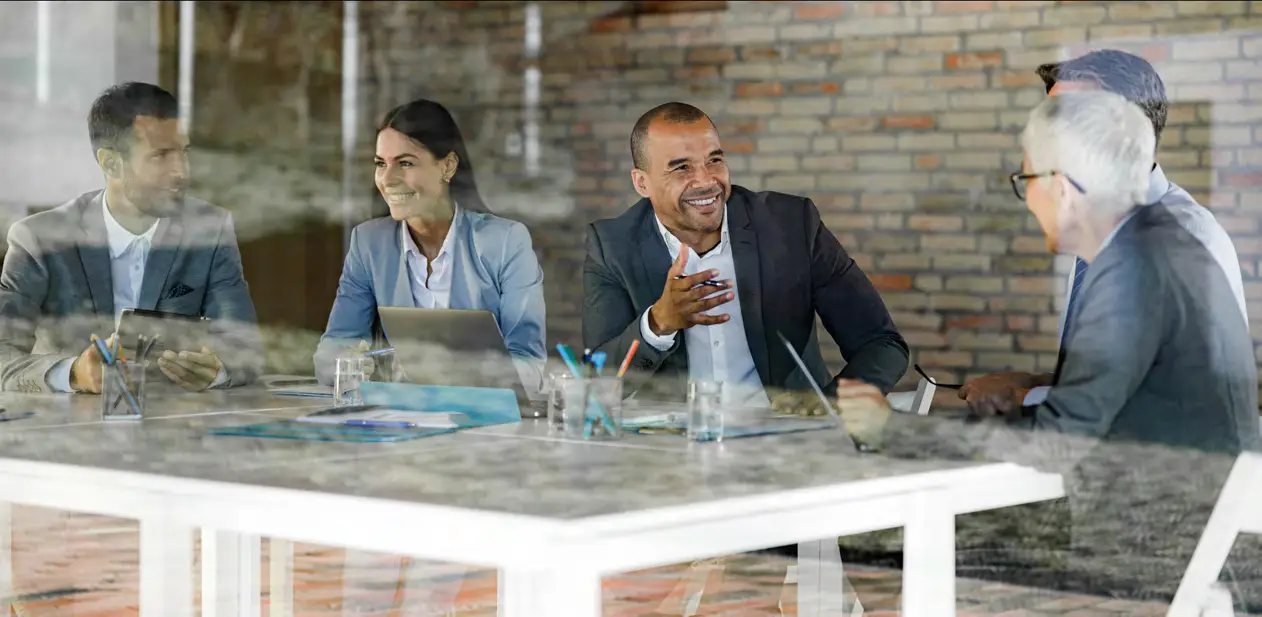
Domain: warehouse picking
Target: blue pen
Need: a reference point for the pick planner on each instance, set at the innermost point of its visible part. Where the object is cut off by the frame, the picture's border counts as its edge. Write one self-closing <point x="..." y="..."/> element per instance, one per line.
<point x="567" y="356"/>
<point x="105" y="351"/>
<point x="380" y="424"/>
<point x="598" y="361"/>
<point x="378" y="352"/>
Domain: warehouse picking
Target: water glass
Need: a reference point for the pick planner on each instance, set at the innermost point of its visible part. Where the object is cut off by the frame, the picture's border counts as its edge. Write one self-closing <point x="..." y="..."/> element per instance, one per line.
<point x="705" y="410"/>
<point x="123" y="390"/>
<point x="350" y="373"/>
<point x="556" y="401"/>
<point x="592" y="408"/>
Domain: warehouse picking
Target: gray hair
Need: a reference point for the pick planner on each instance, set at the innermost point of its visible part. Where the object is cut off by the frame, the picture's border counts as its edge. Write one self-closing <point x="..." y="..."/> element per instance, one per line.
<point x="1100" y="140"/>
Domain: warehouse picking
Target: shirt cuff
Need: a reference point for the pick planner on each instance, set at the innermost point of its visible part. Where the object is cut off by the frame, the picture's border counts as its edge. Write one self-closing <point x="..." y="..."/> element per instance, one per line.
<point x="1036" y="396"/>
<point x="660" y="343"/>
<point x="221" y="378"/>
<point x="58" y="377"/>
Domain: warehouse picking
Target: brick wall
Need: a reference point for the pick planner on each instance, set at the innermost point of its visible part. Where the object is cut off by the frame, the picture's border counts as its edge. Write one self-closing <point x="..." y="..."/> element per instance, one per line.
<point x="900" y="119"/>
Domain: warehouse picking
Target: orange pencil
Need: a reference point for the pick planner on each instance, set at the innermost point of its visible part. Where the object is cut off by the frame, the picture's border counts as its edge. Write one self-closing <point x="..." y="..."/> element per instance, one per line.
<point x="626" y="362"/>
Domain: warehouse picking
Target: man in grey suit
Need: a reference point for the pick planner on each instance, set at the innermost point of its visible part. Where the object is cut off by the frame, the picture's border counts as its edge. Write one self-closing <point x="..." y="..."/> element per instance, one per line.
<point x="767" y="251"/>
<point x="1156" y="390"/>
<point x="1134" y="78"/>
<point x="70" y="272"/>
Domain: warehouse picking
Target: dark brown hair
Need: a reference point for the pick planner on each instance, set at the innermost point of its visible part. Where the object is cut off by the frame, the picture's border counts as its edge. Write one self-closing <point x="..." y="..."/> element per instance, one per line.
<point x="431" y="126"/>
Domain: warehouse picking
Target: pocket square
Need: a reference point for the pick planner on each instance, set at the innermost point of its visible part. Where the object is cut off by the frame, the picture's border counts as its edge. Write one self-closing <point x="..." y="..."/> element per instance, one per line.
<point x="180" y="289"/>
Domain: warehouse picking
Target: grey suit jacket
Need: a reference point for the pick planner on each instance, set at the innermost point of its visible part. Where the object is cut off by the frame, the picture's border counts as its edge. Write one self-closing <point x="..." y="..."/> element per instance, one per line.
<point x="789" y="268"/>
<point x="1156" y="351"/>
<point x="56" y="288"/>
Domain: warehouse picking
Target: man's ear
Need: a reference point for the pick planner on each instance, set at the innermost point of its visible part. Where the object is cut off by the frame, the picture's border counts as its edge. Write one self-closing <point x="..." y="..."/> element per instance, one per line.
<point x="111" y="163"/>
<point x="640" y="181"/>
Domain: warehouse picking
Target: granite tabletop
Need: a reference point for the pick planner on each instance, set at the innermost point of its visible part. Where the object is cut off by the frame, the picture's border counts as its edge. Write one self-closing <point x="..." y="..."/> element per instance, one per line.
<point x="517" y="468"/>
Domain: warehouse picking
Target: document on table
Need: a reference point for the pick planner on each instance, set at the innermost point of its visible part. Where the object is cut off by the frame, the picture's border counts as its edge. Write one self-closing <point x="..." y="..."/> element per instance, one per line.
<point x="317" y="391"/>
<point x="418" y="419"/>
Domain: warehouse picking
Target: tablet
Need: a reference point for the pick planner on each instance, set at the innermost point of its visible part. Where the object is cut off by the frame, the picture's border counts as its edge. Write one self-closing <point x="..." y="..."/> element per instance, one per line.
<point x="175" y="332"/>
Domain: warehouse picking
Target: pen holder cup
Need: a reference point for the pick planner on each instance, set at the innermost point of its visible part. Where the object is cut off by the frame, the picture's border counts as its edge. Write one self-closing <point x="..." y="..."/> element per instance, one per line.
<point x="123" y="390"/>
<point x="591" y="408"/>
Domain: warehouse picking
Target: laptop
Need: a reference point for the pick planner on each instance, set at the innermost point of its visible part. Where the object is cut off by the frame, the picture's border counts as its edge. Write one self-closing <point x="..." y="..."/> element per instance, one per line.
<point x="451" y="347"/>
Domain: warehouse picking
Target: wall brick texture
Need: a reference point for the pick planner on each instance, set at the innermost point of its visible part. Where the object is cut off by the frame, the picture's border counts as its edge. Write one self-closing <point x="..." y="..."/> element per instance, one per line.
<point x="899" y="119"/>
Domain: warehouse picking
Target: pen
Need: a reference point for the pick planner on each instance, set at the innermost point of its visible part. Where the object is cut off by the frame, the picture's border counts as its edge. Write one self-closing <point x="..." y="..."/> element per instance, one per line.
<point x="567" y="356"/>
<point x="706" y="283"/>
<point x="378" y="352"/>
<point x="380" y="424"/>
<point x="626" y="362"/>
<point x="598" y="361"/>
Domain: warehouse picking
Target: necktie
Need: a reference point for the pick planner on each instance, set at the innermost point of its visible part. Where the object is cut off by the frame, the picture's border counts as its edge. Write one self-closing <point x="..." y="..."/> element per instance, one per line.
<point x="1080" y="275"/>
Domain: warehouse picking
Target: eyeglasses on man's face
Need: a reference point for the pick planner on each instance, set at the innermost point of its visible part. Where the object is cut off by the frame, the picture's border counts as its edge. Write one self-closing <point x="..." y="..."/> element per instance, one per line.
<point x="1021" y="180"/>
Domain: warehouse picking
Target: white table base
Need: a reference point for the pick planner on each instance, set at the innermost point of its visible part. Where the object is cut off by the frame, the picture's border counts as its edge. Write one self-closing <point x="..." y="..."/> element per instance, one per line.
<point x="929" y="558"/>
<point x="166" y="568"/>
<point x="7" y="592"/>
<point x="230" y="574"/>
<point x="555" y="593"/>
<point x="280" y="578"/>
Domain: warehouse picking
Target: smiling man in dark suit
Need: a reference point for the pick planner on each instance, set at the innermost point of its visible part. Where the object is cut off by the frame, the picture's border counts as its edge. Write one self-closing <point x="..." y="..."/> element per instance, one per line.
<point x="747" y="266"/>
<point x="70" y="272"/>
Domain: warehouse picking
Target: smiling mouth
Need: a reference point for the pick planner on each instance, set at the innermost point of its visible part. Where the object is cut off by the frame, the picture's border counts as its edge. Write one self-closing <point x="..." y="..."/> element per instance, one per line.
<point x="399" y="196"/>
<point x="702" y="203"/>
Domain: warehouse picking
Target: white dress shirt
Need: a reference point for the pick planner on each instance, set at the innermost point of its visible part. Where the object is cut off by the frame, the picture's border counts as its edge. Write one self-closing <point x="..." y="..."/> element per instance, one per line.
<point x="128" y="255"/>
<point x="719" y="352"/>
<point x="434" y="291"/>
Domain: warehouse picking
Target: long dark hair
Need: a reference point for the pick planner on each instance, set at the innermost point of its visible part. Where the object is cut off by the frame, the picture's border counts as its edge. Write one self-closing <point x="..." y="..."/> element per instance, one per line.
<point x="431" y="125"/>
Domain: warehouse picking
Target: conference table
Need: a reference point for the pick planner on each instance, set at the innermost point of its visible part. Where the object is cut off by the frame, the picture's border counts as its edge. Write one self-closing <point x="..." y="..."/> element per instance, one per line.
<point x="552" y="515"/>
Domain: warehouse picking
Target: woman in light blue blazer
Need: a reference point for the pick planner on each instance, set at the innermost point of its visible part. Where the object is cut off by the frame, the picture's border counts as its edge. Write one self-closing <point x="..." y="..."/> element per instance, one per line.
<point x="439" y="248"/>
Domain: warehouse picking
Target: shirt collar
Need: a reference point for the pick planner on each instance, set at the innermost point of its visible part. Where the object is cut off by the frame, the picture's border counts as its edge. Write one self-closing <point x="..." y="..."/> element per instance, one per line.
<point x="409" y="245"/>
<point x="1158" y="184"/>
<point x="119" y="238"/>
<point x="673" y="244"/>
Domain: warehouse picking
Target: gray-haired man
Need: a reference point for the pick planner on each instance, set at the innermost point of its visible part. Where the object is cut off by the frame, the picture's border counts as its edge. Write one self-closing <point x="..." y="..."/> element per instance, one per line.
<point x="1135" y="79"/>
<point x="1156" y="389"/>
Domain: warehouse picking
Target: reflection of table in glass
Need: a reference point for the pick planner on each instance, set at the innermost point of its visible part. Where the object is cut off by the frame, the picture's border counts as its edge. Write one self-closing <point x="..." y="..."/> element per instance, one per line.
<point x="553" y="516"/>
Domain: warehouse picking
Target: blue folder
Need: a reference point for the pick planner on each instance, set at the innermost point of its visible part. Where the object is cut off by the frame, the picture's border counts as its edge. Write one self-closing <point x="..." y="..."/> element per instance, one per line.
<point x="476" y="406"/>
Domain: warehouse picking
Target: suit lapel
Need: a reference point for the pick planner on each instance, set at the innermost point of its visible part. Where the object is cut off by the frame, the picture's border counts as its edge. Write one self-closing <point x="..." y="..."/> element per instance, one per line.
<point x="167" y="242"/>
<point x="465" y="291"/>
<point x="745" y="256"/>
<point x="655" y="258"/>
<point x="655" y="262"/>
<point x="398" y="282"/>
<point x="94" y="254"/>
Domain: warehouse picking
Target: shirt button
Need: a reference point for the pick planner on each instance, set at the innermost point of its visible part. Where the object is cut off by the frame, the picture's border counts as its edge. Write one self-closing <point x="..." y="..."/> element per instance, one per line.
<point x="718" y="344"/>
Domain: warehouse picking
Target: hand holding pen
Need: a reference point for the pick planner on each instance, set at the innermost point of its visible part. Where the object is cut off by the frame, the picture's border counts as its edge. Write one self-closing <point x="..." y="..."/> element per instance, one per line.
<point x="686" y="298"/>
<point x="85" y="371"/>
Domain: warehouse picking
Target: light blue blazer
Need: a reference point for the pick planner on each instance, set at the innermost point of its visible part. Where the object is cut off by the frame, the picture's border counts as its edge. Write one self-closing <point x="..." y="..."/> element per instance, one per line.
<point x="493" y="268"/>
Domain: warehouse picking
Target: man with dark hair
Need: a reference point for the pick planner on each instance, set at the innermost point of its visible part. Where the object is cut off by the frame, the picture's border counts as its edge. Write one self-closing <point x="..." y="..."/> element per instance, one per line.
<point x="768" y="251"/>
<point x="140" y="243"/>
<point x="1133" y="78"/>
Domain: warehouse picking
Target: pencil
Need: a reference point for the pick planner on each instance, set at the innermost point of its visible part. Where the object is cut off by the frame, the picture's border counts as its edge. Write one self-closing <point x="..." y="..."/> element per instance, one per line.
<point x="626" y="362"/>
